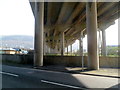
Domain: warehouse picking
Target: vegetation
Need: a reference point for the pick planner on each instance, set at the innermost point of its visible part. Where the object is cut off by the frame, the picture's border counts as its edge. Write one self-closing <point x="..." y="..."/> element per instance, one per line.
<point x="73" y="54"/>
<point x="113" y="51"/>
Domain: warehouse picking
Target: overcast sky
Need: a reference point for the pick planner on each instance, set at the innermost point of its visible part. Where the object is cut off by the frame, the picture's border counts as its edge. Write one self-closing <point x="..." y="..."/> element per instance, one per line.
<point x="16" y="18"/>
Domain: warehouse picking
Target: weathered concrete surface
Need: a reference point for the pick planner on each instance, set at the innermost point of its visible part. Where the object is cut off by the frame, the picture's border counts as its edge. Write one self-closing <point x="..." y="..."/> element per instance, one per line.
<point x="109" y="62"/>
<point x="76" y="61"/>
<point x="39" y="33"/>
<point x="91" y="26"/>
<point x="65" y="60"/>
<point x="17" y="58"/>
<point x="70" y="18"/>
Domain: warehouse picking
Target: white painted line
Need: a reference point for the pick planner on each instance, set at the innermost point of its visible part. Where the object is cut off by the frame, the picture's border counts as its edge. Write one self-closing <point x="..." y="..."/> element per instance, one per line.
<point x="59" y="84"/>
<point x="33" y="69"/>
<point x="9" y="74"/>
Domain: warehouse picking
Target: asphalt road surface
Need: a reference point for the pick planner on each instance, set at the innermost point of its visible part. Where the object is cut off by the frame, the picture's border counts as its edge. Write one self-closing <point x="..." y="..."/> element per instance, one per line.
<point x="18" y="77"/>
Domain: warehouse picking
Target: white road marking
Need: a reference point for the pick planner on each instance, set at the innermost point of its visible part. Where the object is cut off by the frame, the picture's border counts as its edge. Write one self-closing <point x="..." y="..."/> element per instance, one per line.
<point x="9" y="74"/>
<point x="33" y="69"/>
<point x="59" y="84"/>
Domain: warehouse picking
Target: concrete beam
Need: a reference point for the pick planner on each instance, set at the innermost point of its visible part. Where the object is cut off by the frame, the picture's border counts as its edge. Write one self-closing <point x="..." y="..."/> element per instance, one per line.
<point x="69" y="15"/>
<point x="105" y="7"/>
<point x="49" y="13"/>
<point x="108" y="13"/>
<point x="65" y="7"/>
<point x="75" y="13"/>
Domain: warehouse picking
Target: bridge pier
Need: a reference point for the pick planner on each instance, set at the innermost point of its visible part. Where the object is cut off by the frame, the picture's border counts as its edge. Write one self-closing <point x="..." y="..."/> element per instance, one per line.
<point x="71" y="49"/>
<point x="44" y="45"/>
<point x="67" y="50"/>
<point x="104" y="43"/>
<point x="62" y="44"/>
<point x="91" y="17"/>
<point x="39" y="31"/>
<point x="81" y="44"/>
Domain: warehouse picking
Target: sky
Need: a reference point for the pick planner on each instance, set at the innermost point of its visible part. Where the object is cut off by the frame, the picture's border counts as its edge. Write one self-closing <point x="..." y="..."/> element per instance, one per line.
<point x="16" y="18"/>
<point x="111" y="37"/>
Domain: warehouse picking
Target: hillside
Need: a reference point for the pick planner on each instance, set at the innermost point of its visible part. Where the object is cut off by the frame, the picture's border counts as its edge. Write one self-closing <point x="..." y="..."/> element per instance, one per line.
<point x="17" y="41"/>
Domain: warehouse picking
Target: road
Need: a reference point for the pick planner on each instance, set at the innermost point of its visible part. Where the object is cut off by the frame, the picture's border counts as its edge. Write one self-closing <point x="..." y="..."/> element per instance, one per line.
<point x="18" y="77"/>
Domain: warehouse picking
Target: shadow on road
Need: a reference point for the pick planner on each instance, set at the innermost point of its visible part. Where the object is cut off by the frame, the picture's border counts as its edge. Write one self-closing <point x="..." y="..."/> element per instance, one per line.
<point x="30" y="78"/>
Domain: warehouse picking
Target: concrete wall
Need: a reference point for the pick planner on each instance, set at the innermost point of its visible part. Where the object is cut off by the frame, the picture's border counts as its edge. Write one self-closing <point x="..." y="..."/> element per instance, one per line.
<point x="58" y="60"/>
<point x="64" y="60"/>
<point x="76" y="61"/>
<point x="110" y="62"/>
<point x="18" y="58"/>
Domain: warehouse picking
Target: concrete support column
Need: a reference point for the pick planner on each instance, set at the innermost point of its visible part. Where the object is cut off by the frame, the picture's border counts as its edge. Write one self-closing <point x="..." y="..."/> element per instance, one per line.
<point x="39" y="31"/>
<point x="49" y="50"/>
<point x="99" y="42"/>
<point x="46" y="49"/>
<point x="62" y="44"/>
<point x="81" y="44"/>
<point x="71" y="49"/>
<point x="57" y="47"/>
<point x="91" y="17"/>
<point x="67" y="50"/>
<point x="44" y="44"/>
<point x="104" y="43"/>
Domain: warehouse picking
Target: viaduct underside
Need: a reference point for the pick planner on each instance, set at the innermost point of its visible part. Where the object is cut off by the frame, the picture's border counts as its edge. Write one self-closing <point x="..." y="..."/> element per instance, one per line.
<point x="60" y="24"/>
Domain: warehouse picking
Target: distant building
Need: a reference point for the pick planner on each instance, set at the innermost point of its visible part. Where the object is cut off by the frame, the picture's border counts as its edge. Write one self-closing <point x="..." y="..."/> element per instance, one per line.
<point x="9" y="51"/>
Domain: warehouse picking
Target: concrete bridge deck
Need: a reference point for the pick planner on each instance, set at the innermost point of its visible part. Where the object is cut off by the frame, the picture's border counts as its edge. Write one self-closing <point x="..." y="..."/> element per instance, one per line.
<point x="70" y="18"/>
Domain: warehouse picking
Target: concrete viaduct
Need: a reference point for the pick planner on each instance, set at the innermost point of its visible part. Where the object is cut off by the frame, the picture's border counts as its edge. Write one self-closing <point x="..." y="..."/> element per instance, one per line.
<point x="59" y="24"/>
